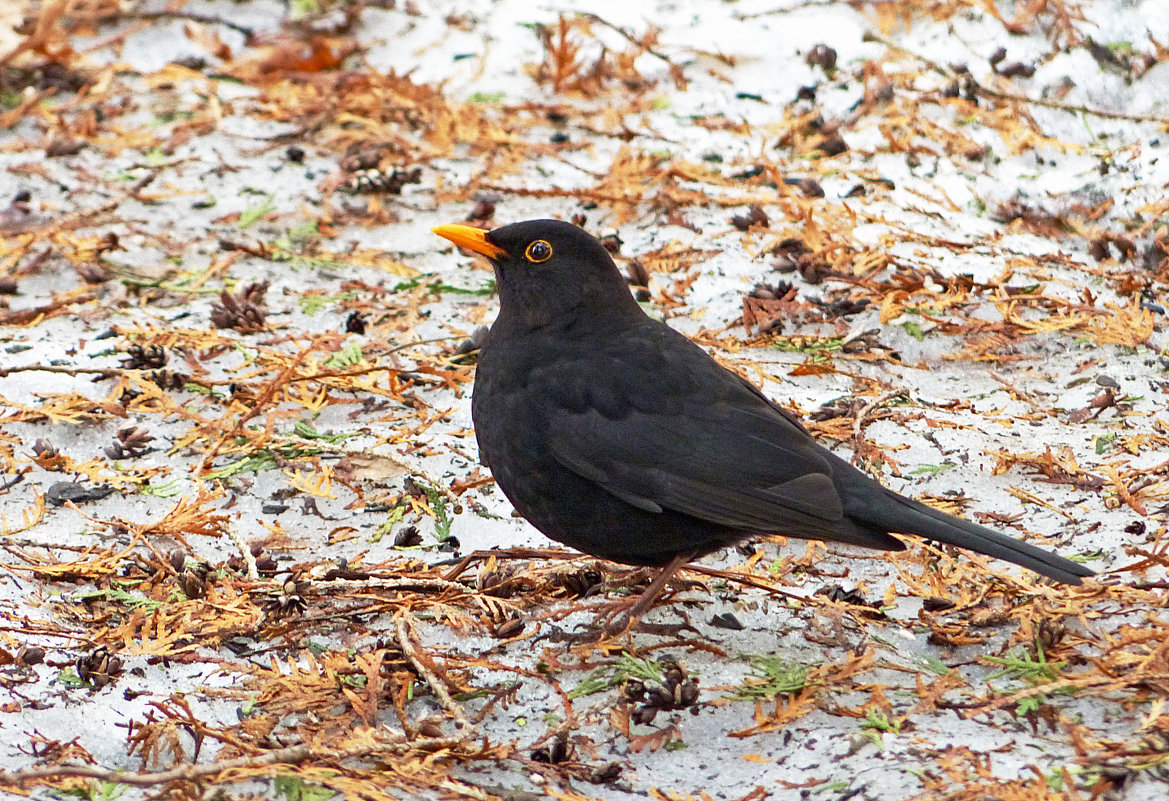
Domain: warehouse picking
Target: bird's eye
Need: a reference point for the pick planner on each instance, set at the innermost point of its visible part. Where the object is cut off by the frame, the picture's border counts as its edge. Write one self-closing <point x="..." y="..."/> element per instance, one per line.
<point x="538" y="251"/>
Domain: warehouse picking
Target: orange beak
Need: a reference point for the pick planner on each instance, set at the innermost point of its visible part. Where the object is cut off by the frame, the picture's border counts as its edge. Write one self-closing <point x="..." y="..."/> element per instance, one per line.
<point x="470" y="238"/>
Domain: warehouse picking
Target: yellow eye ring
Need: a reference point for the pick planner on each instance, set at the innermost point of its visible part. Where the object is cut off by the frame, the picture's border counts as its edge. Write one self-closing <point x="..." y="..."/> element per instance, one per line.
<point x="538" y="251"/>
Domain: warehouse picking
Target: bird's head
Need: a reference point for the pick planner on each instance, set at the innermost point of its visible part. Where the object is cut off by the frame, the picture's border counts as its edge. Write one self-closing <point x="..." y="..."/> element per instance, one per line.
<point x="549" y="272"/>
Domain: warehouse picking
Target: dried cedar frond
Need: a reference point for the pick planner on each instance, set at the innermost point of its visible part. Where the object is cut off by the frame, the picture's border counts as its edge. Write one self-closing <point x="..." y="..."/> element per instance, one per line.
<point x="355" y="323"/>
<point x="99" y="667"/>
<point x="755" y="216"/>
<point x="842" y="307"/>
<point x="378" y="181"/>
<point x="139" y="358"/>
<point x="44" y="449"/>
<point x="821" y="56"/>
<point x="408" y="537"/>
<point x="289" y="601"/>
<point x="638" y="275"/>
<point x="168" y="380"/>
<point x="243" y="313"/>
<point x="560" y="751"/>
<point x="675" y="691"/>
<point x="361" y="156"/>
<point x="483" y="211"/>
<point x="568" y="69"/>
<point x="131" y="443"/>
<point x="512" y="627"/>
<point x="30" y="655"/>
<point x="581" y="582"/>
<point x="788" y="253"/>
<point x="780" y="291"/>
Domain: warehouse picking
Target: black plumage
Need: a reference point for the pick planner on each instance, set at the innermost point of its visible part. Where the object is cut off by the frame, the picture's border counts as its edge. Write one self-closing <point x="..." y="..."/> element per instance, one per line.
<point x="614" y="434"/>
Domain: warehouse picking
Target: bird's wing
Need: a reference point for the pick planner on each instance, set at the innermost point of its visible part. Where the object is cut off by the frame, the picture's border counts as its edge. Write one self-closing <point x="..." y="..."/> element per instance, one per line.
<point x="726" y="476"/>
<point x="689" y="436"/>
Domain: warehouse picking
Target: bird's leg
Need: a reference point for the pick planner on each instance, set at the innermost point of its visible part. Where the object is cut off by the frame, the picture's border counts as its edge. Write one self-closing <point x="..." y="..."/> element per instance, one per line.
<point x="623" y="620"/>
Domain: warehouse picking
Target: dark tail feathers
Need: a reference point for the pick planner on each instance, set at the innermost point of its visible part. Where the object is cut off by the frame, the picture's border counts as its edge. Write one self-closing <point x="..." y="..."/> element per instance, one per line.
<point x="871" y="505"/>
<point x="912" y="517"/>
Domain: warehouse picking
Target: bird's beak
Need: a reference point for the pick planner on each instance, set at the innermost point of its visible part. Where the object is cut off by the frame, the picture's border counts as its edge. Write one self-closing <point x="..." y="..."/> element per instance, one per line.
<point x="470" y="238"/>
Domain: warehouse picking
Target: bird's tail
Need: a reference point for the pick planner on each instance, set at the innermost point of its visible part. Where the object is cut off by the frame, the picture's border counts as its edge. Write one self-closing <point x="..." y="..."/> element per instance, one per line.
<point x="913" y="517"/>
<point x="872" y="505"/>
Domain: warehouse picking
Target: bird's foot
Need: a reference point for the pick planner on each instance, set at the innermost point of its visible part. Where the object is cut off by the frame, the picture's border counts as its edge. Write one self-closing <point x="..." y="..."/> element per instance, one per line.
<point x="617" y="622"/>
<point x="625" y="617"/>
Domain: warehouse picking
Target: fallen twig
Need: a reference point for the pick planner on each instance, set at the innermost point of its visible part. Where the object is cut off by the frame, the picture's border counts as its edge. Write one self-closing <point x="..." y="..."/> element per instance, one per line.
<point x="435" y="684"/>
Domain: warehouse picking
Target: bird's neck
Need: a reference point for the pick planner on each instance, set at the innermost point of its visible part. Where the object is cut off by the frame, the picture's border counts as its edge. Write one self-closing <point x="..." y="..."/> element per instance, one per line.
<point x="580" y="316"/>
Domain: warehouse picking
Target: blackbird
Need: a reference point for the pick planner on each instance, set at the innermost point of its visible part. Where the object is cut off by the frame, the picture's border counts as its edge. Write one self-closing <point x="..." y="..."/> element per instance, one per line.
<point x="616" y="435"/>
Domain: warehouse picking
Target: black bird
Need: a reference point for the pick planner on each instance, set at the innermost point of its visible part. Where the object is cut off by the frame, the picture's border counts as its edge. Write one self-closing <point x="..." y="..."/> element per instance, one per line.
<point x="616" y="435"/>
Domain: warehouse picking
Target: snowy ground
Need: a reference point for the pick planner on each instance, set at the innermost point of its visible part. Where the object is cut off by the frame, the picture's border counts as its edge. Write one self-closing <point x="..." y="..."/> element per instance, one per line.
<point x="976" y="251"/>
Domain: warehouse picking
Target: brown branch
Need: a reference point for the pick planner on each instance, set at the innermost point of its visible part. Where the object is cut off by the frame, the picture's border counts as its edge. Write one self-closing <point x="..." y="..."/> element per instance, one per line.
<point x="787" y="9"/>
<point x="751" y="581"/>
<point x="282" y="756"/>
<point x="1102" y="683"/>
<point x="858" y="424"/>
<point x="873" y="36"/>
<point x="282" y="379"/>
<point x="401" y="585"/>
<point x="30" y="317"/>
<point x="28" y="630"/>
<point x="629" y="37"/>
<point x="508" y="553"/>
<point x="1070" y="107"/>
<point x="245" y="551"/>
<point x="103" y="372"/>
<point x="202" y="19"/>
<point x="435" y="684"/>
